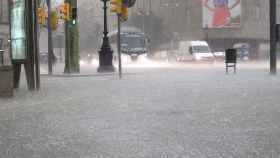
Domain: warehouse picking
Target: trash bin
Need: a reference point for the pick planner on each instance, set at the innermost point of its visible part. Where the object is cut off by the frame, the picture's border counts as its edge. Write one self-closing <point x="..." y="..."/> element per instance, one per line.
<point x="1" y="57"/>
<point x="231" y="56"/>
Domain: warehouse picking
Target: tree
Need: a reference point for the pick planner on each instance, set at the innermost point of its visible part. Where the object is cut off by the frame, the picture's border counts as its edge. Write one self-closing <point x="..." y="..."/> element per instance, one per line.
<point x="72" y="54"/>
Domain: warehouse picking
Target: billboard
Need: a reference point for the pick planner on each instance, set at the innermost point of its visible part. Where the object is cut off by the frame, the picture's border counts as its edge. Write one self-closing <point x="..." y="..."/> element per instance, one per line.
<point x="18" y="34"/>
<point x="221" y="13"/>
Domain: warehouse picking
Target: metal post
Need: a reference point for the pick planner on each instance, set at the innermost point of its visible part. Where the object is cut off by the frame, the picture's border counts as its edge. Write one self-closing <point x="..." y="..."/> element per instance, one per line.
<point x="36" y="47"/>
<point x="273" y="43"/>
<point x="119" y="45"/>
<point x="50" y="47"/>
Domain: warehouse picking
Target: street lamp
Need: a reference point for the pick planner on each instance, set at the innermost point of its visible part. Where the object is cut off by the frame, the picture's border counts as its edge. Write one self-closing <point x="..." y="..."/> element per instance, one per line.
<point x="105" y="53"/>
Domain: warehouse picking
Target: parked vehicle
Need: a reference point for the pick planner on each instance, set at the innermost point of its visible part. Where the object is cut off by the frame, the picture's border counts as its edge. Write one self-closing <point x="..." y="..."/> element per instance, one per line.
<point x="87" y="58"/>
<point x="219" y="55"/>
<point x="243" y="51"/>
<point x="194" y="51"/>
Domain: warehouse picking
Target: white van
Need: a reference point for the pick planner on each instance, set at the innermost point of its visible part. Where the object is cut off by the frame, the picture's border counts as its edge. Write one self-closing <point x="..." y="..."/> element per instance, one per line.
<point x="194" y="51"/>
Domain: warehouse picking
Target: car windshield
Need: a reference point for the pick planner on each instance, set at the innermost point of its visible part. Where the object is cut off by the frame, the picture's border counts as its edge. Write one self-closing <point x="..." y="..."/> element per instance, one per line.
<point x="200" y="49"/>
<point x="133" y="42"/>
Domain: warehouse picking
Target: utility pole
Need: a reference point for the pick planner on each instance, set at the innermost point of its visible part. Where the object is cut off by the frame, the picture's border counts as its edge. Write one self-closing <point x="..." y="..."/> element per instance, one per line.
<point x="50" y="46"/>
<point x="273" y="38"/>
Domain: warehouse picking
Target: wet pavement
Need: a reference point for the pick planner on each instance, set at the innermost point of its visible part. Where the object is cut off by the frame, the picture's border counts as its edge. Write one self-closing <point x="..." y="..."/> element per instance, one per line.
<point x="160" y="112"/>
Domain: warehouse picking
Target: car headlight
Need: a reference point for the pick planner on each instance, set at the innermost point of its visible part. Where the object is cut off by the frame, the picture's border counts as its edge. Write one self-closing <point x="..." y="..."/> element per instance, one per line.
<point x="219" y="54"/>
<point x="197" y="57"/>
<point x="82" y="62"/>
<point x="94" y="62"/>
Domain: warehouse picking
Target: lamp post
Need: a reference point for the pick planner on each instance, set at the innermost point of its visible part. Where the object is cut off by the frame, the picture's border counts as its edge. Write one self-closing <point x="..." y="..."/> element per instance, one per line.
<point x="106" y="53"/>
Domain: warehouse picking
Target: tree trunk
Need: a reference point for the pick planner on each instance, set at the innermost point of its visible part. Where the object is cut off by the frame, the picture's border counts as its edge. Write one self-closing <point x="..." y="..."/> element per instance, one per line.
<point x="72" y="50"/>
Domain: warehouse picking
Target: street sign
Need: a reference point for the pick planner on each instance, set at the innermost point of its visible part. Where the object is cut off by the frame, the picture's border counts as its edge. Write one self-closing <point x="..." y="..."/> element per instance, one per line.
<point x="18" y="34"/>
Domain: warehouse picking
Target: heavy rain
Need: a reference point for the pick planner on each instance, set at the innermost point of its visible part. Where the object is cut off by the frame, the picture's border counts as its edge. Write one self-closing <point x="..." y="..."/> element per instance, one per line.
<point x="139" y="79"/>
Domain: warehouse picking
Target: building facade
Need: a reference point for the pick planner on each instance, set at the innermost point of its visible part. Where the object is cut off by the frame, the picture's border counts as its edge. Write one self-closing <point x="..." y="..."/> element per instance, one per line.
<point x="185" y="18"/>
<point x="4" y="30"/>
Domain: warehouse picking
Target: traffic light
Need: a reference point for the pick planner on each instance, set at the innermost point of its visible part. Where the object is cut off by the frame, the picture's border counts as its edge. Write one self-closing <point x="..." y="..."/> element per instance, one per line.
<point x="126" y="3"/>
<point x="65" y="10"/>
<point x="74" y="16"/>
<point x="124" y="13"/>
<point x="41" y="14"/>
<point x="120" y="7"/>
<point x="116" y="6"/>
<point x="129" y="3"/>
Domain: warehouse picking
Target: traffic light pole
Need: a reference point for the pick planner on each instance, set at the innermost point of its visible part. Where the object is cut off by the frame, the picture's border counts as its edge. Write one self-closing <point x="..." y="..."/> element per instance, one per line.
<point x="273" y="41"/>
<point x="119" y="45"/>
<point x="50" y="46"/>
